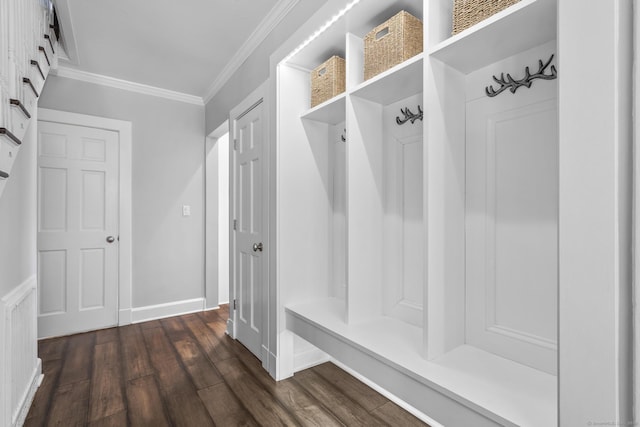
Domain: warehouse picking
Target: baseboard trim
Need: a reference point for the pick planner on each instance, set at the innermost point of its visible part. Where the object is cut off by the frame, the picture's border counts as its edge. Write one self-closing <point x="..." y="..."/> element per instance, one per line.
<point x="160" y="311"/>
<point x="392" y="397"/>
<point x="273" y="364"/>
<point x="309" y="358"/>
<point x="27" y="400"/>
<point x="230" y="328"/>
<point x="124" y="317"/>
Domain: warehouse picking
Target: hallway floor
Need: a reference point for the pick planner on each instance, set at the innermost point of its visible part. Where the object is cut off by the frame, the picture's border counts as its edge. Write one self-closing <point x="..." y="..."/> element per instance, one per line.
<point x="185" y="371"/>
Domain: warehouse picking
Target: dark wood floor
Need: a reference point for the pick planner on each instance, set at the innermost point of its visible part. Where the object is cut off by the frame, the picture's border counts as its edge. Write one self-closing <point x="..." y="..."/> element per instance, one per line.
<point x="184" y="371"/>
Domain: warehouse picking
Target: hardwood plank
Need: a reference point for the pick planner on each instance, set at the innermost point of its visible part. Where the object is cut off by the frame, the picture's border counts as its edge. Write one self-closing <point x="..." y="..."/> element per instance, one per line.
<point x="345" y="409"/>
<point x="70" y="405"/>
<point x="171" y="378"/>
<point x="42" y="400"/>
<point x="77" y="359"/>
<point x="224" y="408"/>
<point x="394" y="415"/>
<point x="359" y="392"/>
<point x="304" y="407"/>
<point x="202" y="372"/>
<point x="175" y="329"/>
<point x="264" y="407"/>
<point x="52" y="349"/>
<point x="224" y="309"/>
<point x="106" y="335"/>
<point x="144" y="403"/>
<point x="150" y="324"/>
<point x="187" y="410"/>
<point x="211" y="345"/>
<point x="179" y="393"/>
<point x="158" y="346"/>
<point x="218" y="327"/>
<point x="187" y="372"/>
<point x="290" y="394"/>
<point x="134" y="352"/>
<point x="106" y="383"/>
<point x="213" y="316"/>
<point x="116" y="420"/>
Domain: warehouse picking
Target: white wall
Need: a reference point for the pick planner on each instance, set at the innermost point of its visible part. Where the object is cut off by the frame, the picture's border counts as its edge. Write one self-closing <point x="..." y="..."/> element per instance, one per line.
<point x="168" y="249"/>
<point x="18" y="217"/>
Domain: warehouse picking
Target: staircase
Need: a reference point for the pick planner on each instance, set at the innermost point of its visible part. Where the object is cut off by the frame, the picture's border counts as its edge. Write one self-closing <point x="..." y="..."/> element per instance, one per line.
<point x="28" y="46"/>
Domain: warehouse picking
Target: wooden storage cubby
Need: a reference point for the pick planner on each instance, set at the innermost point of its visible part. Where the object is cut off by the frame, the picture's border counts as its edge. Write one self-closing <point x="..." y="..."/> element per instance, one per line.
<point x="375" y="234"/>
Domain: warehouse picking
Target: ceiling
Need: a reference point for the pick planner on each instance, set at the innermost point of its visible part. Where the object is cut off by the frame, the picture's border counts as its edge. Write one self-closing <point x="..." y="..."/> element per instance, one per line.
<point x="176" y="45"/>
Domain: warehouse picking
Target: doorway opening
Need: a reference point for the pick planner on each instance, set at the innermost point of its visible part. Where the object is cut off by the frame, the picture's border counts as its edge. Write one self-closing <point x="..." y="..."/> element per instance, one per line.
<point x="217" y="223"/>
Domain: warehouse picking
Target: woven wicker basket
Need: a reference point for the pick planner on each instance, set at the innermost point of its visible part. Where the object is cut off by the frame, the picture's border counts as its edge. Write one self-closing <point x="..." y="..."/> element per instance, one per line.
<point x="469" y="12"/>
<point x="391" y="43"/>
<point x="327" y="80"/>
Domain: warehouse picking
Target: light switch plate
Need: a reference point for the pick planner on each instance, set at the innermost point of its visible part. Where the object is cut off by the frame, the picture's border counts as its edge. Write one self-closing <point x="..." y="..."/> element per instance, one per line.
<point x="186" y="210"/>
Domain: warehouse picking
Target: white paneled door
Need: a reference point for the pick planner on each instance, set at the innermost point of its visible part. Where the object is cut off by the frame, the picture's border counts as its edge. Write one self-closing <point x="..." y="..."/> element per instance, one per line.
<point x="77" y="228"/>
<point x="249" y="247"/>
<point x="512" y="225"/>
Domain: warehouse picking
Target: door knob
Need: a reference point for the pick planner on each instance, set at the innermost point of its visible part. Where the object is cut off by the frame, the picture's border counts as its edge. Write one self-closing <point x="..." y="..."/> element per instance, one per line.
<point x="111" y="239"/>
<point x="257" y="247"/>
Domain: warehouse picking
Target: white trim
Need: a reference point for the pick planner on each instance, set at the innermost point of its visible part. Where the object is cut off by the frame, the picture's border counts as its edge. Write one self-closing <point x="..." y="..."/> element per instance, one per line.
<point x="160" y="311"/>
<point x="309" y="358"/>
<point x="12" y="299"/>
<point x="273" y="18"/>
<point x="392" y="397"/>
<point x="124" y="130"/>
<point x="36" y="379"/>
<point x="636" y="218"/>
<point x="99" y="79"/>
<point x="124" y="317"/>
<point x="272" y="365"/>
<point x="220" y="131"/>
<point x="16" y="295"/>
<point x="67" y="35"/>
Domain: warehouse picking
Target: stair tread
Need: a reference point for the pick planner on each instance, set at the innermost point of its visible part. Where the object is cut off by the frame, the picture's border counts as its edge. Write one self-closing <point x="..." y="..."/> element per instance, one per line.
<point x="20" y="105"/>
<point x="12" y="137"/>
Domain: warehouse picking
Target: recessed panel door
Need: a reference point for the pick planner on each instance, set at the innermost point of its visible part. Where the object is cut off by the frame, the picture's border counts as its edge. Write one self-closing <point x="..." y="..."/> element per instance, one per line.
<point x="77" y="228"/>
<point x="512" y="225"/>
<point x="249" y="245"/>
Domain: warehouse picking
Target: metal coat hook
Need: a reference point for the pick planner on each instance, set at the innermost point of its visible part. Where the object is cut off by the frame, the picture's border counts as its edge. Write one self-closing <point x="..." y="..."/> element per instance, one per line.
<point x="343" y="136"/>
<point x="409" y="116"/>
<point x="513" y="85"/>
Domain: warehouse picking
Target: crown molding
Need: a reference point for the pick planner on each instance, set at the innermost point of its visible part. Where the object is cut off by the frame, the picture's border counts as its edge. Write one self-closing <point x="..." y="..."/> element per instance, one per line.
<point x="102" y="80"/>
<point x="273" y="18"/>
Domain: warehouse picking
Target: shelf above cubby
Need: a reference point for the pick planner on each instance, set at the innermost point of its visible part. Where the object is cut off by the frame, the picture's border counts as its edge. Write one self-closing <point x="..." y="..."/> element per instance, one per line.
<point x="526" y="24"/>
<point x="396" y="83"/>
<point x="331" y="111"/>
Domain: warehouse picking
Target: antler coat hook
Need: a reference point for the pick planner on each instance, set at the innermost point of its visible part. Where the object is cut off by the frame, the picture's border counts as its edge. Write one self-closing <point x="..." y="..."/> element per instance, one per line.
<point x="513" y="85"/>
<point x="409" y="116"/>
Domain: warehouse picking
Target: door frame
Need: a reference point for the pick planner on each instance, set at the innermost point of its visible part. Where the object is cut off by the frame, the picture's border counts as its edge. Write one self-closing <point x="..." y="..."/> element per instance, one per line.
<point x="259" y="95"/>
<point x="212" y="255"/>
<point x="124" y="130"/>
